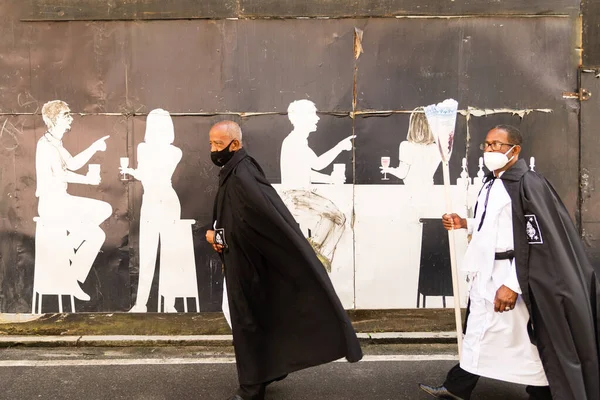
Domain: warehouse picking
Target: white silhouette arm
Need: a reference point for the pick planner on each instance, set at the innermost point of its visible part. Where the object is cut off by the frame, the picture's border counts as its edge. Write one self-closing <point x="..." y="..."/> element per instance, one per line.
<point x="323" y="161"/>
<point x="75" y="163"/>
<point x="327" y="158"/>
<point x="141" y="159"/>
<point x="399" y="172"/>
<point x="405" y="160"/>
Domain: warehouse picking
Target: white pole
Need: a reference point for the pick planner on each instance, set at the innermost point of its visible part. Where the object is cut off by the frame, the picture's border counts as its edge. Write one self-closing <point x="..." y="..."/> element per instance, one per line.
<point x="457" y="313"/>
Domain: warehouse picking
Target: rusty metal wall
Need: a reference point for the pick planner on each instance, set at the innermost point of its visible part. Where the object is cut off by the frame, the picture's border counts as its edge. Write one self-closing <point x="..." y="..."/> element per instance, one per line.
<point x="590" y="164"/>
<point x="113" y="72"/>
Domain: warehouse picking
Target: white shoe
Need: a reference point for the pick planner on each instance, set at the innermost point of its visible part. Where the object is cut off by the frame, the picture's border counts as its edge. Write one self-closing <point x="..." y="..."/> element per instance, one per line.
<point x="170" y="309"/>
<point x="138" y="309"/>
<point x="78" y="293"/>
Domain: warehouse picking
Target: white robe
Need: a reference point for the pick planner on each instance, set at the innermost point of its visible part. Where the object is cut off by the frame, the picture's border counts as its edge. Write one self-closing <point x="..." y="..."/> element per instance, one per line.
<point x="225" y="300"/>
<point x="225" y="304"/>
<point x="496" y="345"/>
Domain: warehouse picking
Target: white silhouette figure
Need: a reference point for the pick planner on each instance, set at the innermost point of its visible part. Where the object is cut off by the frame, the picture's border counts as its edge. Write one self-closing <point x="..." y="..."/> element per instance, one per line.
<point x="157" y="159"/>
<point x="299" y="163"/>
<point x="478" y="180"/>
<point x="418" y="154"/>
<point x="319" y="218"/>
<point x="464" y="180"/>
<point x="79" y="216"/>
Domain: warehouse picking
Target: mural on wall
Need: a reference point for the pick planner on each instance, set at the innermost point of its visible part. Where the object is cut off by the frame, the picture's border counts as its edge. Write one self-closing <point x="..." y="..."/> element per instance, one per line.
<point x="68" y="235"/>
<point x="160" y="219"/>
<point x="361" y="174"/>
<point x="323" y="205"/>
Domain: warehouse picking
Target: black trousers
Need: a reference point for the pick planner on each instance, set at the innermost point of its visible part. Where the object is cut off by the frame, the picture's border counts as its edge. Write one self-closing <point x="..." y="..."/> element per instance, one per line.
<point x="461" y="383"/>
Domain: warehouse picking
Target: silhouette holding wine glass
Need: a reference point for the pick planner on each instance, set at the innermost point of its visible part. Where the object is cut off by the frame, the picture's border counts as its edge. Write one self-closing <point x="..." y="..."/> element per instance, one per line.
<point x="157" y="160"/>
<point x="419" y="157"/>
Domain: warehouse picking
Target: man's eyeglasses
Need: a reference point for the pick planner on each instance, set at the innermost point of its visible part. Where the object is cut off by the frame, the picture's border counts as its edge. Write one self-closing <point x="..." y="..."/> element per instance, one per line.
<point x="495" y="146"/>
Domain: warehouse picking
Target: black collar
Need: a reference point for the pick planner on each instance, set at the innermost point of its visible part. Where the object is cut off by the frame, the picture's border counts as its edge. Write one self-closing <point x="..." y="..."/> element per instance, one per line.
<point x="228" y="168"/>
<point x="516" y="172"/>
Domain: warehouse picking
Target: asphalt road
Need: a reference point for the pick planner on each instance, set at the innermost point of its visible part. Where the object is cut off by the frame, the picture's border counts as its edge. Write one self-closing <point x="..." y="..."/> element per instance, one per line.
<point x="192" y="373"/>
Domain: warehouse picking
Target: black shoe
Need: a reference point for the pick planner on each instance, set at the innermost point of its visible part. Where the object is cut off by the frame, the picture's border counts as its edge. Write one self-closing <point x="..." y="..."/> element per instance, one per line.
<point x="439" y="392"/>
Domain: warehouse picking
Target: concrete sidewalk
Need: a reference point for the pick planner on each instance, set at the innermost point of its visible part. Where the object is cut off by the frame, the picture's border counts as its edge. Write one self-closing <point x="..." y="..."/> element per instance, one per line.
<point x="205" y="329"/>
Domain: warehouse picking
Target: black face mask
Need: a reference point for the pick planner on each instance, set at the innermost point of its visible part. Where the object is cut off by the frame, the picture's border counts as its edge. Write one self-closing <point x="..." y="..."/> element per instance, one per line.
<point x="222" y="157"/>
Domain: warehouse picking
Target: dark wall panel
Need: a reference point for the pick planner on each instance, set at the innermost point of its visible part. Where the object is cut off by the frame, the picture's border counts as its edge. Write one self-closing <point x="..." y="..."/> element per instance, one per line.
<point x="590" y="167"/>
<point x="15" y="62"/>
<point x="493" y="61"/>
<point x="185" y="9"/>
<point x="268" y="64"/>
<point x="185" y="67"/>
<point x="71" y="62"/>
<point x="176" y="66"/>
<point x="590" y="10"/>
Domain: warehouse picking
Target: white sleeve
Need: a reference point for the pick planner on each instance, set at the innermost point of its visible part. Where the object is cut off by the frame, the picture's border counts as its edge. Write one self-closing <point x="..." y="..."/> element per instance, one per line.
<point x="470" y="223"/>
<point x="511" y="281"/>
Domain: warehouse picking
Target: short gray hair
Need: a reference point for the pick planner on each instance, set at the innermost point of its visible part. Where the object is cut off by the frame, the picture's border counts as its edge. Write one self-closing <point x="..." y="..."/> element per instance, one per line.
<point x="232" y="128"/>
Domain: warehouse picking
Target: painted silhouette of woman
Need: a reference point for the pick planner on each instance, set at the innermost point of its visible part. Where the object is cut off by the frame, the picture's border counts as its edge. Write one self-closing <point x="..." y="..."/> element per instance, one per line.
<point x="418" y="155"/>
<point x="157" y="160"/>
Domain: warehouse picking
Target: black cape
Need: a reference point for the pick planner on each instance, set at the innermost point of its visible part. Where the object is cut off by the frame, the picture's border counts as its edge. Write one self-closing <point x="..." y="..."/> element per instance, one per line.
<point x="559" y="285"/>
<point x="285" y="313"/>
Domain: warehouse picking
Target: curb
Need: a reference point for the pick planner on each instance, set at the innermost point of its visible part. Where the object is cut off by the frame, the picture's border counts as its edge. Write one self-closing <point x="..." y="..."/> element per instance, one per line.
<point x="201" y="340"/>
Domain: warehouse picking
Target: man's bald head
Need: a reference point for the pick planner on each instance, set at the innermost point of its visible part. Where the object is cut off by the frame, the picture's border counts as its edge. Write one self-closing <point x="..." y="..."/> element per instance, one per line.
<point x="224" y="133"/>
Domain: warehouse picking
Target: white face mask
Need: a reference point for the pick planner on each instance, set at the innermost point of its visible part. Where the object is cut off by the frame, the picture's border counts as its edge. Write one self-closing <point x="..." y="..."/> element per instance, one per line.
<point x="495" y="161"/>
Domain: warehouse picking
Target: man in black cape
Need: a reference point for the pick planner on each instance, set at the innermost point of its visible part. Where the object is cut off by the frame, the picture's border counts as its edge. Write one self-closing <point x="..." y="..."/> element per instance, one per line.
<point x="285" y="313"/>
<point x="557" y="282"/>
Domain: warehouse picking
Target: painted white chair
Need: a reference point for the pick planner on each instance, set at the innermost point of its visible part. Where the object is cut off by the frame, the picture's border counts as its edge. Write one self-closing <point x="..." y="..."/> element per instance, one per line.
<point x="177" y="276"/>
<point x="52" y="263"/>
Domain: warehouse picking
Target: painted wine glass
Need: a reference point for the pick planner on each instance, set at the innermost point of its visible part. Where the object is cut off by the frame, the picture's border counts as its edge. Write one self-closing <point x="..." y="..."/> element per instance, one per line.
<point x="124" y="162"/>
<point x="385" y="163"/>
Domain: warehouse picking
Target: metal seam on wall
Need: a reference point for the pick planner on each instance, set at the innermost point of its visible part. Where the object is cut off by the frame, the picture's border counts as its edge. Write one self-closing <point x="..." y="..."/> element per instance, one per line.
<point x="473" y="111"/>
<point x="268" y="18"/>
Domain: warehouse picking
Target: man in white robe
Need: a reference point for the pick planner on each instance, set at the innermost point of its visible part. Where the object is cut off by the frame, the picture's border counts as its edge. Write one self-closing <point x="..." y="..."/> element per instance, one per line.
<point x="496" y="342"/>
